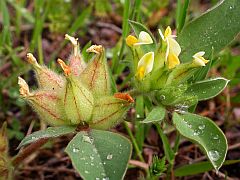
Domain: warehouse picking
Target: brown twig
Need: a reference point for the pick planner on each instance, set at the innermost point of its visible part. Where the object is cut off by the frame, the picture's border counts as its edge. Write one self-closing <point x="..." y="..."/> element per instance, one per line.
<point x="139" y="164"/>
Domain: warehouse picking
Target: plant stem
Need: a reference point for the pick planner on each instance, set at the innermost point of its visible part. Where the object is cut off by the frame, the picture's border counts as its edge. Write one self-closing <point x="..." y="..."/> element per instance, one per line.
<point x="135" y="145"/>
<point x="27" y="151"/>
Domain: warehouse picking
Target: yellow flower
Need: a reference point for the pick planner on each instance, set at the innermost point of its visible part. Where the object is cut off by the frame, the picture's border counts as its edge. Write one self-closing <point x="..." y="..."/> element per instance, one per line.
<point x="144" y="38"/>
<point x="173" y="48"/>
<point x="145" y="65"/>
<point x="199" y="60"/>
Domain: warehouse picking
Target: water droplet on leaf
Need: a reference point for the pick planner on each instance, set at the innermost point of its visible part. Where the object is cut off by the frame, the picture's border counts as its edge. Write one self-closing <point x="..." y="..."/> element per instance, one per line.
<point x="109" y="156"/>
<point x="202" y="126"/>
<point x="87" y="139"/>
<point x="216" y="137"/>
<point x="213" y="155"/>
<point x="75" y="150"/>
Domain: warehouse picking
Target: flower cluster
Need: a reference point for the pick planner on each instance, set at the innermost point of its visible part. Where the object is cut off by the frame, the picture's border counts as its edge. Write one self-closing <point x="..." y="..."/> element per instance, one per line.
<point x="82" y="96"/>
<point x="160" y="63"/>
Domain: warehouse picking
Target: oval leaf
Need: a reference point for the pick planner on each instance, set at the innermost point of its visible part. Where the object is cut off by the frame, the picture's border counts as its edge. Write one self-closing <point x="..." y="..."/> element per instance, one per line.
<point x="99" y="154"/>
<point x="47" y="133"/>
<point x="214" y="29"/>
<point x="204" y="132"/>
<point x="207" y="89"/>
<point x="156" y="115"/>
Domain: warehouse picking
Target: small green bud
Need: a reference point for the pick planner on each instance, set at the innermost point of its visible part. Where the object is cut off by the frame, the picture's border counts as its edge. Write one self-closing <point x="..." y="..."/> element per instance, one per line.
<point x="109" y="110"/>
<point x="181" y="74"/>
<point x="158" y="166"/>
<point x="96" y="75"/>
<point x="47" y="104"/>
<point x="46" y="78"/>
<point x="78" y="101"/>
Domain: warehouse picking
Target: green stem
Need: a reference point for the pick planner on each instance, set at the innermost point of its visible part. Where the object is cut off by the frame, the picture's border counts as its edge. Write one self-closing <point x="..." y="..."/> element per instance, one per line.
<point x="135" y="145"/>
<point x="169" y="153"/>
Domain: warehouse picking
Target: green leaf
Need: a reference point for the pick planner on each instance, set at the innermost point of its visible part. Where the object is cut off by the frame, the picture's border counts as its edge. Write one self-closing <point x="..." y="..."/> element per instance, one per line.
<point x="214" y="29"/>
<point x="156" y="115"/>
<point x="99" y="154"/>
<point x="197" y="168"/>
<point x="47" y="133"/>
<point x="207" y="89"/>
<point x="204" y="132"/>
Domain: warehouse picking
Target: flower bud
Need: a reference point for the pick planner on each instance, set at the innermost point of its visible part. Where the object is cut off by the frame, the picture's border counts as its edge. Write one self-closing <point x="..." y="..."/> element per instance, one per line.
<point x="96" y="75"/>
<point x="76" y="63"/>
<point x="181" y="74"/>
<point x="46" y="78"/>
<point x="77" y="99"/>
<point x="109" y="110"/>
<point x="199" y="60"/>
<point x="47" y="104"/>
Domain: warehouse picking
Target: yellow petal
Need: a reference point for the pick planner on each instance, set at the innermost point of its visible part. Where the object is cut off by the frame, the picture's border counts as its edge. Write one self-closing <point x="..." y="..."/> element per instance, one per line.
<point x="174" y="47"/>
<point x="131" y="40"/>
<point x="173" y="60"/>
<point x="144" y="38"/>
<point x="147" y="61"/>
<point x="204" y="60"/>
<point x="145" y="65"/>
<point x="199" y="60"/>
<point x="199" y="54"/>
<point x="140" y="72"/>
<point x="168" y="32"/>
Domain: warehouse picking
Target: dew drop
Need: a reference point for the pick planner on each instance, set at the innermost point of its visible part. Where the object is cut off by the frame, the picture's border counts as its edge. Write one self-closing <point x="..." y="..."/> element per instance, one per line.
<point x="33" y="138"/>
<point x="216" y="137"/>
<point x="91" y="157"/>
<point x="106" y="178"/>
<point x="197" y="132"/>
<point x="138" y="116"/>
<point x="213" y="155"/>
<point x="103" y="174"/>
<point x="87" y="172"/>
<point x="97" y="179"/>
<point x="75" y="150"/>
<point x="109" y="156"/>
<point x="87" y="139"/>
<point x="202" y="126"/>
